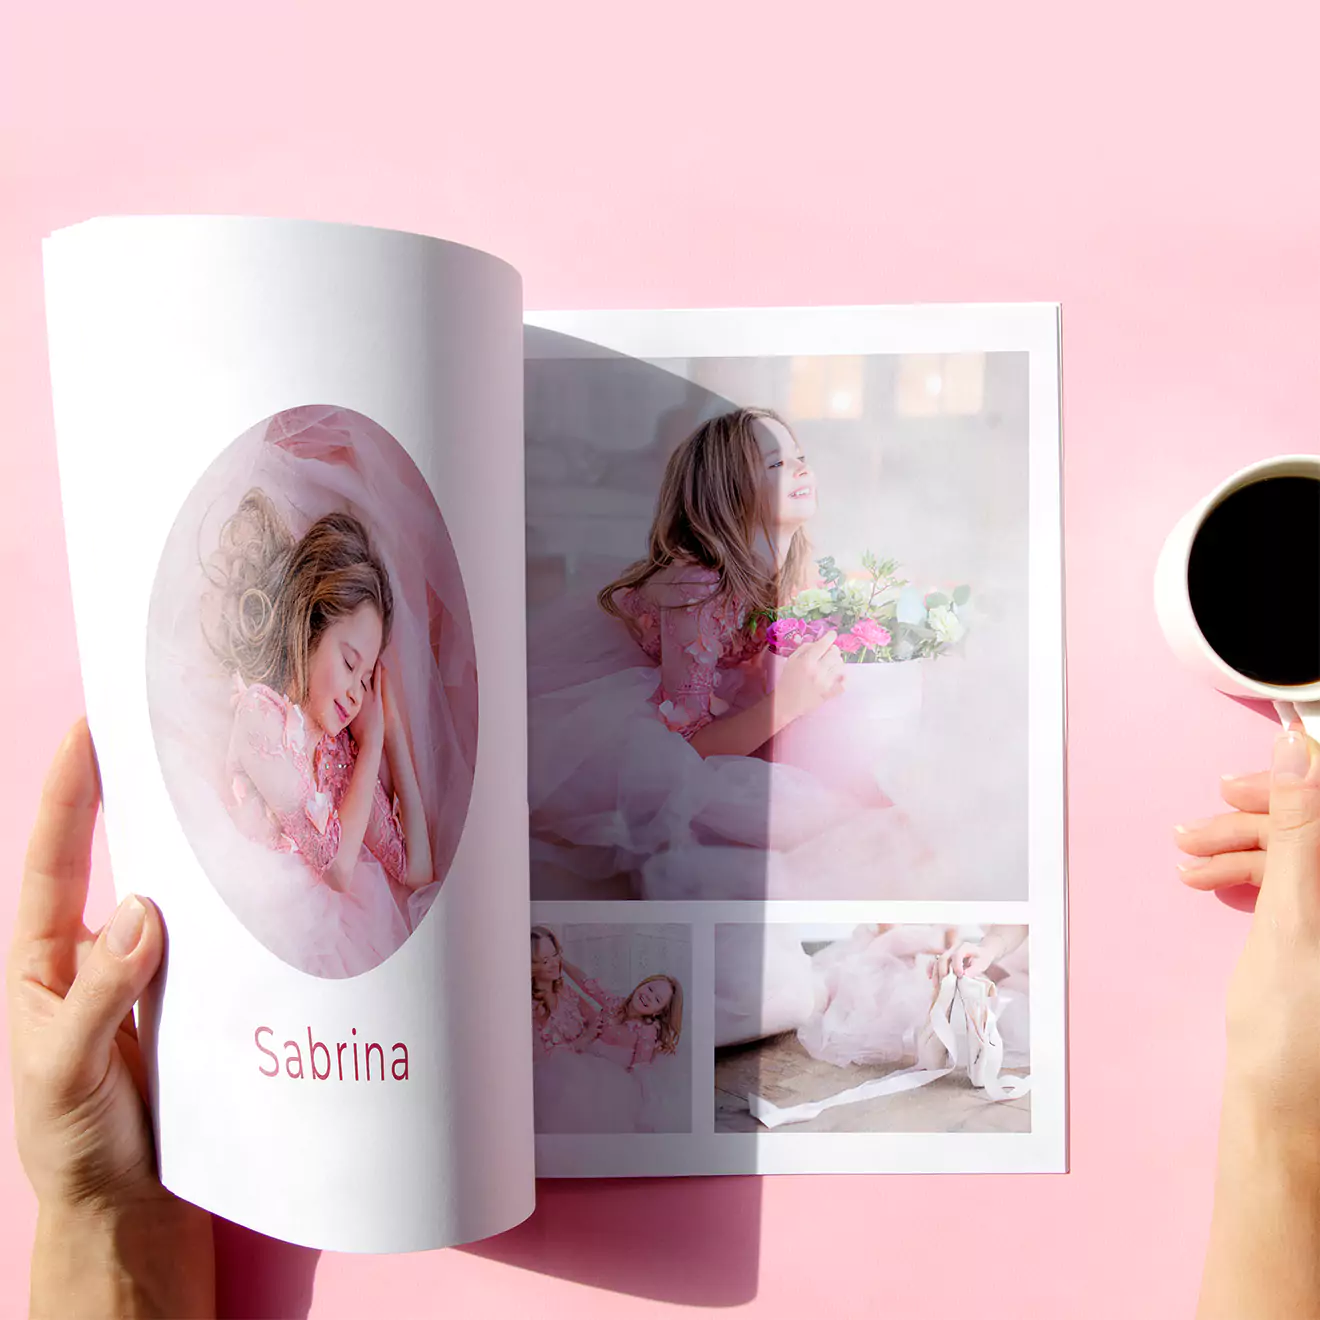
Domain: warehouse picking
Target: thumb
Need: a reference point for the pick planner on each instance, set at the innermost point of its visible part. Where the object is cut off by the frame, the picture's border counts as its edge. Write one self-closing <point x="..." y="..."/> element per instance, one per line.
<point x="125" y="957"/>
<point x="1294" y="843"/>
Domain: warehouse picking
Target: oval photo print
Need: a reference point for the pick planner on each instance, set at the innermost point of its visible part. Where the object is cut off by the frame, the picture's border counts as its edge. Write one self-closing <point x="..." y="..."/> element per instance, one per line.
<point x="312" y="682"/>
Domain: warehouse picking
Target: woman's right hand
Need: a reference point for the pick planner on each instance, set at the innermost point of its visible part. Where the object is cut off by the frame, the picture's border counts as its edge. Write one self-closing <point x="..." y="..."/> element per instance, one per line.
<point x="368" y="726"/>
<point x="1274" y="996"/>
<point x="1261" y="1257"/>
<point x="812" y="675"/>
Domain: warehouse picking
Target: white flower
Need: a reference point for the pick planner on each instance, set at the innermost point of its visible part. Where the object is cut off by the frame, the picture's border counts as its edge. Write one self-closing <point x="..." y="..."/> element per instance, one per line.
<point x="946" y="625"/>
<point x="911" y="606"/>
<point x="814" y="598"/>
<point x="856" y="597"/>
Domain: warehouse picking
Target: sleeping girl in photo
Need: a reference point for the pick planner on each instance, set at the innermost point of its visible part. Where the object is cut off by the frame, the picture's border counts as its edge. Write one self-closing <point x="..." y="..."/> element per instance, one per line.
<point x="319" y="761"/>
<point x="311" y="680"/>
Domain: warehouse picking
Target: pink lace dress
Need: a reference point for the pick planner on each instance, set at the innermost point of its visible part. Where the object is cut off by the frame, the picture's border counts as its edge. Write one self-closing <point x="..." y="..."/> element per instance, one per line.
<point x="338" y="933"/>
<point x="623" y="807"/>
<point x="563" y="1024"/>
<point x="874" y="991"/>
<point x="577" y="1089"/>
<point x="630" y="1042"/>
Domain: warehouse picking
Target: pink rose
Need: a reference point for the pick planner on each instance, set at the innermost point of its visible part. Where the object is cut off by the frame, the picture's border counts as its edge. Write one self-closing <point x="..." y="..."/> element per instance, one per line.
<point x="847" y="643"/>
<point x="784" y="636"/>
<point x="871" y="633"/>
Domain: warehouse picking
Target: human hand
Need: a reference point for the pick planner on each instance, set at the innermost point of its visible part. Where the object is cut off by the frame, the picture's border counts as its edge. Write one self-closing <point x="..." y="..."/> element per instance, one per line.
<point x="368" y="725"/>
<point x="1274" y="994"/>
<point x="812" y="675"/>
<point x="969" y="958"/>
<point x="1229" y="850"/>
<point x="110" y="1238"/>
<point x="391" y="694"/>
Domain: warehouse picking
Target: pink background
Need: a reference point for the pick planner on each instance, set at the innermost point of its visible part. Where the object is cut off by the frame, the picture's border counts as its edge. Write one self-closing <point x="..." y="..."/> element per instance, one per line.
<point x="1150" y="166"/>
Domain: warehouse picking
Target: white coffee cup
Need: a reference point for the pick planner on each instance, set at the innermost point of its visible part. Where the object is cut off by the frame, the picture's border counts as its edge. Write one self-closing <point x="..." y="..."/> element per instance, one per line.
<point x="1174" y="608"/>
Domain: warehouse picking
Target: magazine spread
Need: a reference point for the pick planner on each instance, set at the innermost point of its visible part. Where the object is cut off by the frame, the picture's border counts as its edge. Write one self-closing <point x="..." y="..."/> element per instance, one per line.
<point x="819" y="929"/>
<point x="754" y="617"/>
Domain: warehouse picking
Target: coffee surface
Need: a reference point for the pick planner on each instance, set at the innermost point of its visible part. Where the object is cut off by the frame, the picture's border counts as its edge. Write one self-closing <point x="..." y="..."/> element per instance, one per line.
<point x="1253" y="579"/>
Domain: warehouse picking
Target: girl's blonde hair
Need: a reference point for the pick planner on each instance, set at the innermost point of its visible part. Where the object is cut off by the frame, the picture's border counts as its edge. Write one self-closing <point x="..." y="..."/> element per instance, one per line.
<point x="276" y="594"/>
<point x="545" y="933"/>
<point x="670" y="1018"/>
<point x="709" y="513"/>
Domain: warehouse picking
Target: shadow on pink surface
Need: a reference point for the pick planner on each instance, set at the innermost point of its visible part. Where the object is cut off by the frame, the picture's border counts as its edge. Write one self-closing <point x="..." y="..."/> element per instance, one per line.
<point x="257" y="1276"/>
<point x="693" y="1242"/>
<point x="690" y="1241"/>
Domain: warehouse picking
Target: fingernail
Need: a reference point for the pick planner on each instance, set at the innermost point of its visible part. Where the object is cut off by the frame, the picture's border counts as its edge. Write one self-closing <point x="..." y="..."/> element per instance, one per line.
<point x="125" y="929"/>
<point x="1185" y="867"/>
<point x="1292" y="758"/>
<point x="1192" y="825"/>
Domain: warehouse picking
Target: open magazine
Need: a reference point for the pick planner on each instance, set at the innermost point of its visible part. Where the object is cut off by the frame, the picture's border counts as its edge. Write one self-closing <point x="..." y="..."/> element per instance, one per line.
<point x="578" y="744"/>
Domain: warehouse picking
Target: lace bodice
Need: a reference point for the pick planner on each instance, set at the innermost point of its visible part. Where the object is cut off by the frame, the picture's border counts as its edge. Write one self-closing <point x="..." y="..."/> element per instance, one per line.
<point x="567" y="1020"/>
<point x="640" y="1035"/>
<point x="296" y="809"/>
<point x="599" y="1016"/>
<point x="692" y="637"/>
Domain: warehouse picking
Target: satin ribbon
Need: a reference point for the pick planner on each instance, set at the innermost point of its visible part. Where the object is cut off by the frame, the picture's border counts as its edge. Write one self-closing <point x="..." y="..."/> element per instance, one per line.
<point x="963" y="1022"/>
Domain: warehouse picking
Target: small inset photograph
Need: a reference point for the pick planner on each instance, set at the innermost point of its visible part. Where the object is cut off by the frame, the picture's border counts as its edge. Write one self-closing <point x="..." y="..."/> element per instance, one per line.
<point x="608" y="1045"/>
<point x="871" y="1028"/>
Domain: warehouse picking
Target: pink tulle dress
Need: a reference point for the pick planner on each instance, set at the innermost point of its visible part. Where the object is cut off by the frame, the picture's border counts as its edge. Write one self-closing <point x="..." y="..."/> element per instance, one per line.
<point x="623" y="807"/>
<point x="874" y="992"/>
<point x="358" y="927"/>
<point x="577" y="1089"/>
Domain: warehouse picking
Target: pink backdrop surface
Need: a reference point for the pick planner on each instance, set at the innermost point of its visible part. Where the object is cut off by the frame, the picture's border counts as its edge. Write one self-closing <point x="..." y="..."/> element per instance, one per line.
<point x="1150" y="166"/>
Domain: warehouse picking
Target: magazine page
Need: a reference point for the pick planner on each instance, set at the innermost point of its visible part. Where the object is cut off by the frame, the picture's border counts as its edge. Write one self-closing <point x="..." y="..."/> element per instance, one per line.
<point x="290" y="459"/>
<point x="796" y="740"/>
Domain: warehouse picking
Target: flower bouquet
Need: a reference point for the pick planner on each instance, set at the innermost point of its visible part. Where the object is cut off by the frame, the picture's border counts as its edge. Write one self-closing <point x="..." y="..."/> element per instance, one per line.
<point x="878" y="616"/>
<point x="863" y="740"/>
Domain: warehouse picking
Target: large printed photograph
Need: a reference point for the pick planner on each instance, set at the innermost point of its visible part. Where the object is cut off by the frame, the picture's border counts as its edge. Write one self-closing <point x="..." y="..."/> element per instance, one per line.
<point x="777" y="625"/>
<point x="311" y="680"/>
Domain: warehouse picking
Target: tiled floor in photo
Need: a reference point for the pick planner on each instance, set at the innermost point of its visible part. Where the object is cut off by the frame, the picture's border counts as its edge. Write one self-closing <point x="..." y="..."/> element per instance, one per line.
<point x="781" y="1071"/>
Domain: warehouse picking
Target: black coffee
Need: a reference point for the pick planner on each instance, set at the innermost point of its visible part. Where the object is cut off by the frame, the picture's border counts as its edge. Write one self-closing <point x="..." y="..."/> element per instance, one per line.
<point x="1254" y="580"/>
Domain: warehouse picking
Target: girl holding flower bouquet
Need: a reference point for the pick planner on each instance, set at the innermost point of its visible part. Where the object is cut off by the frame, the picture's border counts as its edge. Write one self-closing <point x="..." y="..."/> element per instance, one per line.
<point x="653" y="711"/>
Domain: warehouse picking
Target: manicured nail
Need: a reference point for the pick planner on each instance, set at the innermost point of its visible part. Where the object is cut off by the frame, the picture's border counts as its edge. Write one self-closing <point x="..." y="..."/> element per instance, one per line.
<point x="1292" y="758"/>
<point x="1186" y="867"/>
<point x="125" y="929"/>
<point x="1193" y="825"/>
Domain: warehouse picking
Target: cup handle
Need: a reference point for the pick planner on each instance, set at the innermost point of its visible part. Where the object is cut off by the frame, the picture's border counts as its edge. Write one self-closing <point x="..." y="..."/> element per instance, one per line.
<point x="1306" y="711"/>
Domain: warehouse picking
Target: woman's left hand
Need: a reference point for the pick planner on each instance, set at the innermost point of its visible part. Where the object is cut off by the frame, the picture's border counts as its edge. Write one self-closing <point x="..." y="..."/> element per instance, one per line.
<point x="110" y="1239"/>
<point x="79" y="1086"/>
<point x="1229" y="849"/>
